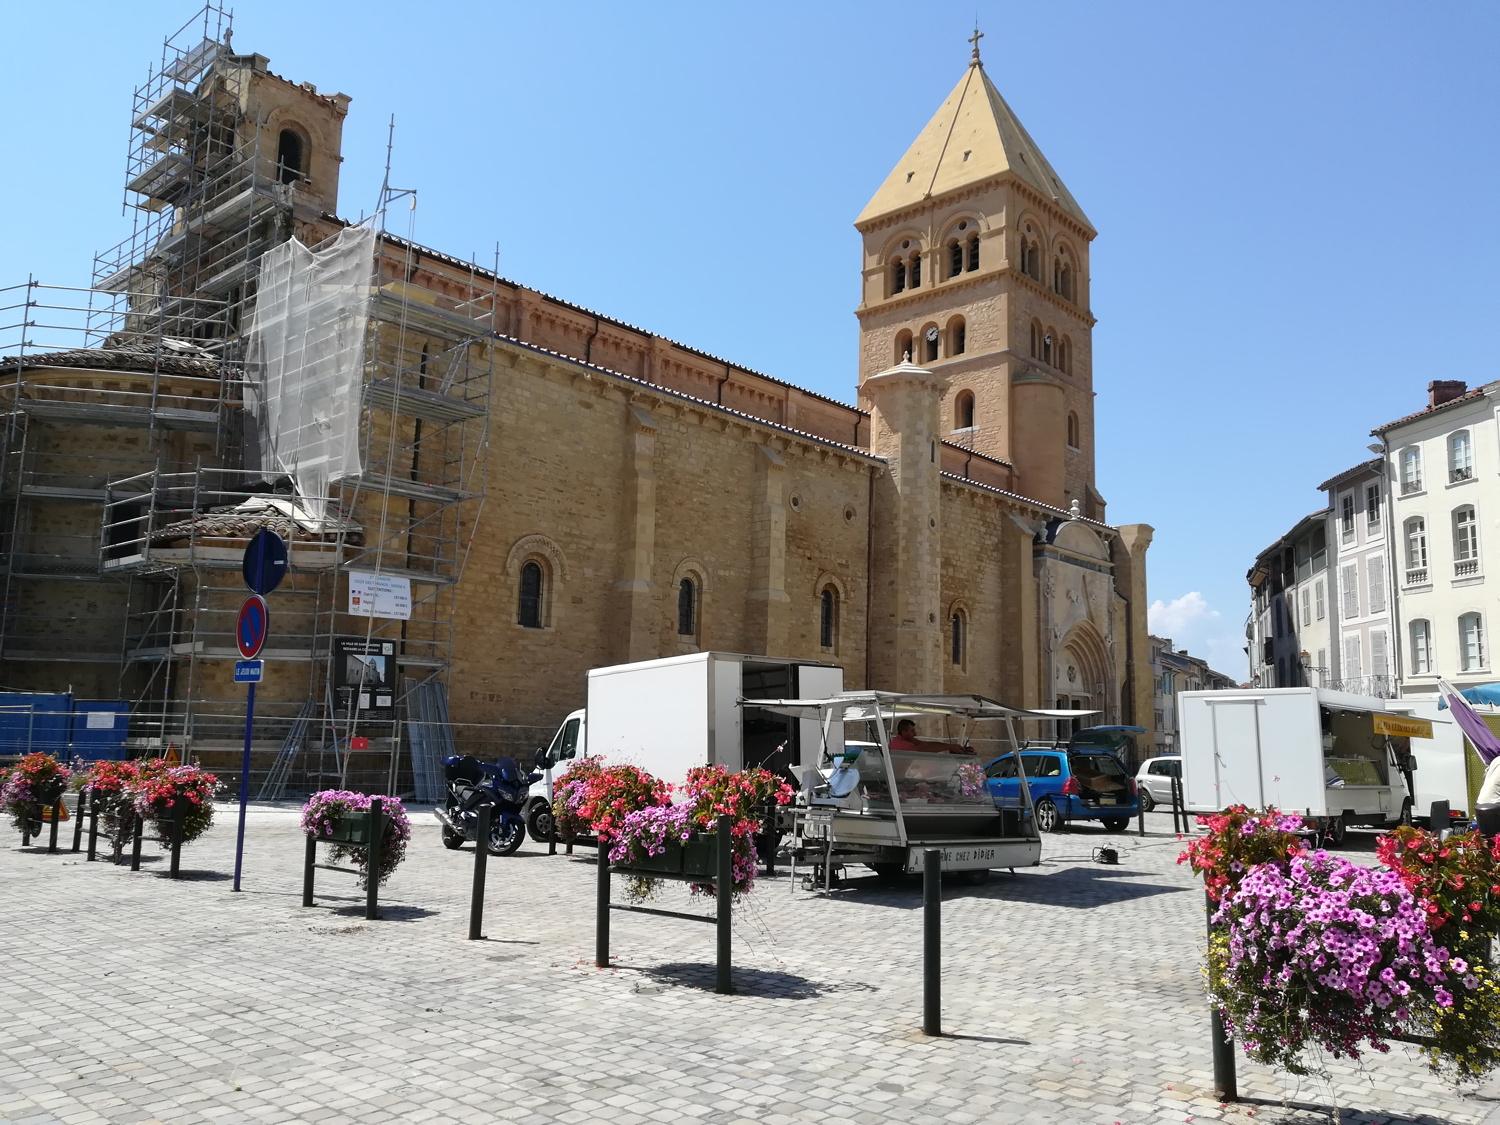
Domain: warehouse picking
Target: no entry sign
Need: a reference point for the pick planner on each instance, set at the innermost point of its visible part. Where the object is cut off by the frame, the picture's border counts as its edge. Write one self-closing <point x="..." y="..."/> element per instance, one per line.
<point x="250" y="629"/>
<point x="264" y="565"/>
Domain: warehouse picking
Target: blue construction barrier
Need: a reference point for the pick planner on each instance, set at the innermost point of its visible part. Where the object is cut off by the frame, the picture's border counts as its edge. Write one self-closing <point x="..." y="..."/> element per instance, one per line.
<point x="55" y="723"/>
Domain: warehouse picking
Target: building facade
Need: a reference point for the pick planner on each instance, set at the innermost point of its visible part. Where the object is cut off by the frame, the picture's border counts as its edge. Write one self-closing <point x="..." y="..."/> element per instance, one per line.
<point x="945" y="534"/>
<point x="1175" y="670"/>
<point x="1288" y="648"/>
<point x="1444" y="462"/>
<point x="1362" y="650"/>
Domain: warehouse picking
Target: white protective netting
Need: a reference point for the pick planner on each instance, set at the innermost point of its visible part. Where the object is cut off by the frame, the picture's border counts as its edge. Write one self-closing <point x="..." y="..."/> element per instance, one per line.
<point x="305" y="359"/>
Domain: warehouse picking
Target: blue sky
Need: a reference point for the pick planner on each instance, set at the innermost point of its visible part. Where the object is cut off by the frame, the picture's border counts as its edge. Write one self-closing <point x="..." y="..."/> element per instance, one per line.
<point x="1294" y="200"/>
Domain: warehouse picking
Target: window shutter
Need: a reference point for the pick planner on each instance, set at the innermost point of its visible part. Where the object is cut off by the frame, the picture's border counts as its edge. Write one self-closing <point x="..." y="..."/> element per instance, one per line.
<point x="1375" y="583"/>
<point x="1377" y="654"/>
<point x="1351" y="658"/>
<point x="1349" y="584"/>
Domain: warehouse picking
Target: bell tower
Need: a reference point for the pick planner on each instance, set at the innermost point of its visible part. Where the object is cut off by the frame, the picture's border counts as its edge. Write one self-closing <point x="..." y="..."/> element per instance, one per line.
<point x="976" y="266"/>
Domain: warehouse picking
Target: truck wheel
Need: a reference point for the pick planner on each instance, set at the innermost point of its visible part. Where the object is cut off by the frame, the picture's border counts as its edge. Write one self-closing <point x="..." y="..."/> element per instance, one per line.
<point x="1336" y="830"/>
<point x="1148" y="802"/>
<point x="540" y="822"/>
<point x="888" y="872"/>
<point x="452" y="840"/>
<point x="1405" y="817"/>
<point x="1048" y="819"/>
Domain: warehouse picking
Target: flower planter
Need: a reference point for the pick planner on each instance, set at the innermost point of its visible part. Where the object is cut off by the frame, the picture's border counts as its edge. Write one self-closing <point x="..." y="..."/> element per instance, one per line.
<point x="350" y="830"/>
<point x="694" y="859"/>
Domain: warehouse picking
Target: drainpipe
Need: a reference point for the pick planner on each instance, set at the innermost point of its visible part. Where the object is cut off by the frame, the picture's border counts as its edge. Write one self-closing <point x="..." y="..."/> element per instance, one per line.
<point x="719" y="397"/>
<point x="588" y="348"/>
<point x="1392" y="583"/>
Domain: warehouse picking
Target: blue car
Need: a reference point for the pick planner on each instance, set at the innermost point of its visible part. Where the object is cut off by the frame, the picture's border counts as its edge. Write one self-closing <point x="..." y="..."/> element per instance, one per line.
<point x="1067" y="785"/>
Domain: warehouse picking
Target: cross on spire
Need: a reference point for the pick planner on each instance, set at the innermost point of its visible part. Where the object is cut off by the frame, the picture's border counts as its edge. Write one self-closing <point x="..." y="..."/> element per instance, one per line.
<point x="974" y="39"/>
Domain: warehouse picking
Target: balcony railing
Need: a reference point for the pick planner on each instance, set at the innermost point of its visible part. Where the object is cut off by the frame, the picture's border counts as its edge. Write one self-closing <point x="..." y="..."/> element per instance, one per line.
<point x="1410" y="486"/>
<point x="1456" y="475"/>
<point x="1416" y="575"/>
<point x="1465" y="568"/>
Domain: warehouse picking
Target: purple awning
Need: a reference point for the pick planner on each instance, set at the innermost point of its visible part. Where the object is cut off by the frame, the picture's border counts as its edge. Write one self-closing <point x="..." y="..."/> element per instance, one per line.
<point x="1485" y="740"/>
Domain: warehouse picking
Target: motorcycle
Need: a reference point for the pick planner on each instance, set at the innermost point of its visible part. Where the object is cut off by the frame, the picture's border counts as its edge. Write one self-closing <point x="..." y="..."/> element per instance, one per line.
<point x="473" y="785"/>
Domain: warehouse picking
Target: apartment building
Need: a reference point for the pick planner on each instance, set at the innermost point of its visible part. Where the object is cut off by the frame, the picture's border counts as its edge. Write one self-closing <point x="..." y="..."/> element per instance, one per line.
<point x="1359" y="577"/>
<point x="1445" y="464"/>
<point x="1292" y="622"/>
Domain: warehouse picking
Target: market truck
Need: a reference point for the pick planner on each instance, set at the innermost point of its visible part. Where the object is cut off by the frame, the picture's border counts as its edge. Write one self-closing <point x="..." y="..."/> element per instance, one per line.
<point x="1341" y="759"/>
<point x="672" y="714"/>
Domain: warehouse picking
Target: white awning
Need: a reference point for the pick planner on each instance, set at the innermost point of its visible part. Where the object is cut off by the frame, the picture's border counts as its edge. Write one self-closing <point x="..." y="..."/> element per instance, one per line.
<point x="863" y="706"/>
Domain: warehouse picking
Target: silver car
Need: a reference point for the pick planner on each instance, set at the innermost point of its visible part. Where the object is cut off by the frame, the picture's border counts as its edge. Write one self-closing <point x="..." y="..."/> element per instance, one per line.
<point x="1154" y="780"/>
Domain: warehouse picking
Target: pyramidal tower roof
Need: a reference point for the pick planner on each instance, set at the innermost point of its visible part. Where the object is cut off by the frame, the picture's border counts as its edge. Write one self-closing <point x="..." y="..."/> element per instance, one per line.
<point x="973" y="136"/>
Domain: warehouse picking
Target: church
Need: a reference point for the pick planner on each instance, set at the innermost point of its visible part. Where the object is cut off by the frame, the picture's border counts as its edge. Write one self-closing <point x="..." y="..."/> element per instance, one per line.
<point x="560" y="490"/>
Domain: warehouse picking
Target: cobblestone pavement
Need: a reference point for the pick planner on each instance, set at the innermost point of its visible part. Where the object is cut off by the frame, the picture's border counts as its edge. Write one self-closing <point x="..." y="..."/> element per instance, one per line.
<point x="1072" y="994"/>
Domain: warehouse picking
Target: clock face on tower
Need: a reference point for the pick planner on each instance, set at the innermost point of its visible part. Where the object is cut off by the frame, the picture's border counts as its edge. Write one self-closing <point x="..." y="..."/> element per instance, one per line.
<point x="932" y="335"/>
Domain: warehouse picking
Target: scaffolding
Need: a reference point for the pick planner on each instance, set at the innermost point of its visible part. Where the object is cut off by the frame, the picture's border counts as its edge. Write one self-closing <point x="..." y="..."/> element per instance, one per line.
<point x="130" y="466"/>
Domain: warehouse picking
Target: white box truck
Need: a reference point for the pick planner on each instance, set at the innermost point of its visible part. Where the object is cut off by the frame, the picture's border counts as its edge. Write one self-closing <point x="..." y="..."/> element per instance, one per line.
<point x="1341" y="759"/>
<point x="672" y="714"/>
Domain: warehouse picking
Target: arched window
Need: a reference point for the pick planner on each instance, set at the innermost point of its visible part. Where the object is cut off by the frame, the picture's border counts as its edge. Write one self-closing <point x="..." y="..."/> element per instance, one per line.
<point x="1063" y="358"/>
<point x="1048" y="354"/>
<point x="903" y="346"/>
<point x="963" y="411"/>
<point x="914" y="271"/>
<point x="955" y="258"/>
<point x="1036" y="340"/>
<point x="687" y="608"/>
<point x="957" y="636"/>
<point x="1465" y="542"/>
<point x="957" y="336"/>
<point x="1073" y="442"/>
<point x="930" y="338"/>
<point x="1471" y="642"/>
<point x="973" y="252"/>
<point x="290" y="157"/>
<point x="828" y="618"/>
<point x="1411" y="470"/>
<point x="1460" y="457"/>
<point x="1031" y="256"/>
<point x="1421" y="648"/>
<point x="898" y="276"/>
<point x="529" y="611"/>
<point x="1416" y="550"/>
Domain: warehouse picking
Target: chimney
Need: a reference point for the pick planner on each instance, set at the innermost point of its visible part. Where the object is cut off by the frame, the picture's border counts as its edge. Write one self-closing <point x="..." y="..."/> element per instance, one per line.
<point x="1440" y="391"/>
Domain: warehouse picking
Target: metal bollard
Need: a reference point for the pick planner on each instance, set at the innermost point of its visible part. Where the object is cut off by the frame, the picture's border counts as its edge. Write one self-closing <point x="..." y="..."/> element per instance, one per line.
<point x="78" y="821"/>
<point x="1226" y="1085"/>
<point x="932" y="936"/>
<point x="135" y="842"/>
<point x="25" y="831"/>
<point x="601" y="910"/>
<point x="724" y="902"/>
<point x="481" y="855"/>
<point x="1140" y="817"/>
<point x="179" y="808"/>
<point x="372" y="856"/>
<point x="57" y="809"/>
<point x="309" y="863"/>
<point x="93" y="828"/>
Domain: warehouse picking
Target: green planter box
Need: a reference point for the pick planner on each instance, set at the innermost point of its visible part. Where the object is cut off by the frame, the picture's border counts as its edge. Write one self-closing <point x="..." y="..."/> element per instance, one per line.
<point x="694" y="859"/>
<point x="350" y="830"/>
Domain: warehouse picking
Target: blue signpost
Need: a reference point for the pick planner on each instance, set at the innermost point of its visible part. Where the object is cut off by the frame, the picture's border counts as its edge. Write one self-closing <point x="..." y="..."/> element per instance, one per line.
<point x="264" y="567"/>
